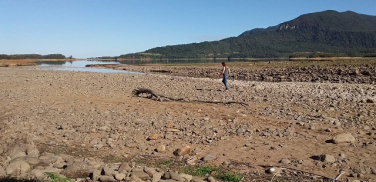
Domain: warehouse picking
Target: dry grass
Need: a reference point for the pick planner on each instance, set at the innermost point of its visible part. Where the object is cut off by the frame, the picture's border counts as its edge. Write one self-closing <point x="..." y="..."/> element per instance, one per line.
<point x="17" y="62"/>
<point x="26" y="62"/>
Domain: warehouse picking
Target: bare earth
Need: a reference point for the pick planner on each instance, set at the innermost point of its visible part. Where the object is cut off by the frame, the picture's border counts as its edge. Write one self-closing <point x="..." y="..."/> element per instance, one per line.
<point x="95" y="114"/>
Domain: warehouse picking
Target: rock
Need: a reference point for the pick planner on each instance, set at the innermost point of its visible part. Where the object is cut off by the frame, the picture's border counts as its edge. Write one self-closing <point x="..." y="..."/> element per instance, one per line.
<point x="51" y="158"/>
<point x="33" y="161"/>
<point x="18" y="167"/>
<point x="211" y="179"/>
<point x="240" y="131"/>
<point x="38" y="173"/>
<point x="285" y="161"/>
<point x="59" y="165"/>
<point x="176" y="176"/>
<point x="95" y="175"/>
<point x="327" y="158"/>
<point x="135" y="179"/>
<point x="342" y="155"/>
<point x="209" y="157"/>
<point x="17" y="154"/>
<point x="156" y="177"/>
<point x="141" y="174"/>
<point x="107" y="179"/>
<point x="167" y="180"/>
<point x="183" y="151"/>
<point x="32" y="152"/>
<point x="108" y="171"/>
<point x="2" y="171"/>
<point x="172" y="130"/>
<point x="161" y="148"/>
<point x="77" y="170"/>
<point x="273" y="170"/>
<point x="149" y="171"/>
<point x="153" y="137"/>
<point x="167" y="175"/>
<point x="300" y="123"/>
<point x="187" y="177"/>
<point x="337" y="123"/>
<point x="120" y="176"/>
<point x="124" y="167"/>
<point x="344" y="138"/>
<point x="373" y="170"/>
<point x="197" y="180"/>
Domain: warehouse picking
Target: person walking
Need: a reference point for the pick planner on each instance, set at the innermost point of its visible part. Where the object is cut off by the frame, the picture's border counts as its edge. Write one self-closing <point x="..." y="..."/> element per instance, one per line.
<point x="225" y="73"/>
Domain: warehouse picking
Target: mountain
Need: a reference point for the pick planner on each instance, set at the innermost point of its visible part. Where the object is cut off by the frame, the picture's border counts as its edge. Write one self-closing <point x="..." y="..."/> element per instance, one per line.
<point x="327" y="33"/>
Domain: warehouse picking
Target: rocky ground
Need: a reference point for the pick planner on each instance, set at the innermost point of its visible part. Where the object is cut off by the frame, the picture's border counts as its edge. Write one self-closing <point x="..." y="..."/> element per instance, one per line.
<point x="88" y="126"/>
<point x="361" y="71"/>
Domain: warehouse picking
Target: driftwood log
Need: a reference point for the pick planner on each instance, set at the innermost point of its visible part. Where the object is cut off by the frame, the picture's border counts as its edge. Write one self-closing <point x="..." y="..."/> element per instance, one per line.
<point x="150" y="94"/>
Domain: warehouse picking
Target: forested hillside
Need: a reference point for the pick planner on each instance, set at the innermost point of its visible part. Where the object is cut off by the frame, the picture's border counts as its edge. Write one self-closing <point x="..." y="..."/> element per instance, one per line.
<point x="323" y="34"/>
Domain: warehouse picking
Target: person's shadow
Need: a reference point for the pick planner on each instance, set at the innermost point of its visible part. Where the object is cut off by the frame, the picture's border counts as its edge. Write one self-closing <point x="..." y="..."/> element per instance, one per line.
<point x="208" y="89"/>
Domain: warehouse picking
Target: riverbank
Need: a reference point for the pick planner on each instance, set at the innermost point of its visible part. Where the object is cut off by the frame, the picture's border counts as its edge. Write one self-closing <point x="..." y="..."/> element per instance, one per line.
<point x="362" y="71"/>
<point x="94" y="116"/>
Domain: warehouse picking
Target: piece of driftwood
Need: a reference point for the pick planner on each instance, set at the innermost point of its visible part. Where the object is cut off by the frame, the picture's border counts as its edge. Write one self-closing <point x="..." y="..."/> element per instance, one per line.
<point x="150" y="94"/>
<point x="140" y="91"/>
<point x="339" y="175"/>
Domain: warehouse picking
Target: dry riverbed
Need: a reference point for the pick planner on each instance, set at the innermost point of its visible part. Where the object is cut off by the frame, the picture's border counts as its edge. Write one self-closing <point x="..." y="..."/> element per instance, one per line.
<point x="64" y="122"/>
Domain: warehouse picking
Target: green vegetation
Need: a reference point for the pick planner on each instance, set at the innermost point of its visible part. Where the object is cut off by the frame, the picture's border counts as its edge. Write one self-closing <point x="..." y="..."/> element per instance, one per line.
<point x="323" y="34"/>
<point x="164" y="164"/>
<point x="33" y="56"/>
<point x="56" y="178"/>
<point x="215" y="172"/>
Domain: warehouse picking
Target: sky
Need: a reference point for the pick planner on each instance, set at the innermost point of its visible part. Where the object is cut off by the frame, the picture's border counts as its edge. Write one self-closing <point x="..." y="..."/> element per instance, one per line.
<point x="94" y="28"/>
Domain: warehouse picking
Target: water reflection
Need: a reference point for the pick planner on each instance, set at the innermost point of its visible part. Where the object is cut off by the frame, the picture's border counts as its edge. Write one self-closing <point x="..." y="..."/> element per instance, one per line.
<point x="96" y="70"/>
<point x="79" y="65"/>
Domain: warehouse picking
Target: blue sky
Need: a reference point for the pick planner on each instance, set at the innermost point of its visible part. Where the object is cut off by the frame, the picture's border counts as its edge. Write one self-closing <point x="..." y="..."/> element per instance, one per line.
<point x="92" y="28"/>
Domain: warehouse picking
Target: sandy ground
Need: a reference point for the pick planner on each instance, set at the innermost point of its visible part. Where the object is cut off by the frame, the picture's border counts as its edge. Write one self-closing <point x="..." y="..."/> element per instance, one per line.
<point x="95" y="114"/>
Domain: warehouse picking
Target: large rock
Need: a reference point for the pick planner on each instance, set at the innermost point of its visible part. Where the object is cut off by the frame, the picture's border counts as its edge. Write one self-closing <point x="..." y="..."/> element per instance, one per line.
<point x="176" y="176"/>
<point x="18" y="167"/>
<point x="209" y="157"/>
<point x="120" y="176"/>
<point x="140" y="174"/>
<point x="124" y="167"/>
<point x="77" y="170"/>
<point x="183" y="151"/>
<point x="37" y="173"/>
<point x="33" y="161"/>
<point x="149" y="171"/>
<point x="327" y="158"/>
<point x="107" y="179"/>
<point x="344" y="138"/>
<point x="95" y="175"/>
<point x="161" y="148"/>
<point x="156" y="177"/>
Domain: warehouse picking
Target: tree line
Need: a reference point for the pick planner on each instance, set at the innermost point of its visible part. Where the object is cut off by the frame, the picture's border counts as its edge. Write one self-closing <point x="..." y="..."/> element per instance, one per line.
<point x="33" y="56"/>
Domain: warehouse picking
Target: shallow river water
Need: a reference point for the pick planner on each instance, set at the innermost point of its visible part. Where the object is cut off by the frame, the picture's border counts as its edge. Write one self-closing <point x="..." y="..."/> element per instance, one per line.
<point x="79" y="65"/>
